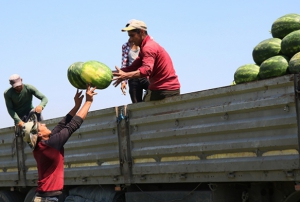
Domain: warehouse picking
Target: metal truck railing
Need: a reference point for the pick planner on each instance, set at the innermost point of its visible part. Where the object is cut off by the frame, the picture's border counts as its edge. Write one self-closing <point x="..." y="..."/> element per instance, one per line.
<point x="245" y="132"/>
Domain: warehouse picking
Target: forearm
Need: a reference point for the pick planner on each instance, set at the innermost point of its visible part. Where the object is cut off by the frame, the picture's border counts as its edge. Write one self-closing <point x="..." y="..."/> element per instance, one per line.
<point x="74" y="110"/>
<point x="84" y="109"/>
<point x="13" y="114"/>
<point x="133" y="75"/>
<point x="134" y="66"/>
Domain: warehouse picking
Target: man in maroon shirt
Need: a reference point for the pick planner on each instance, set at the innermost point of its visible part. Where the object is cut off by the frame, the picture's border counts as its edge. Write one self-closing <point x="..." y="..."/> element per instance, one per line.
<point x="48" y="150"/>
<point x="153" y="62"/>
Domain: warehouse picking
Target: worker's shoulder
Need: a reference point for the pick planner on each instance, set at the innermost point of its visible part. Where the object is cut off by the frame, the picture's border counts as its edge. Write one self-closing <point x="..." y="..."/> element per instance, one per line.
<point x="29" y="86"/>
<point x="8" y="91"/>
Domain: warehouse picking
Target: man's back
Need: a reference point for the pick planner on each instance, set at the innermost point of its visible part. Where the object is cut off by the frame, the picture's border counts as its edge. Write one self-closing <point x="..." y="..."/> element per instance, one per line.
<point x="163" y="75"/>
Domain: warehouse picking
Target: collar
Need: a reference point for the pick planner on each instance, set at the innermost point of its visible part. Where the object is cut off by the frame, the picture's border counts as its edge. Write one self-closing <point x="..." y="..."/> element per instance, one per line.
<point x="147" y="38"/>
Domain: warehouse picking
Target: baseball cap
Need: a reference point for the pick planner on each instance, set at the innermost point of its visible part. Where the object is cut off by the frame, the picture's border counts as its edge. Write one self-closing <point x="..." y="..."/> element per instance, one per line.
<point x="30" y="130"/>
<point x="135" y="24"/>
<point x="15" y="80"/>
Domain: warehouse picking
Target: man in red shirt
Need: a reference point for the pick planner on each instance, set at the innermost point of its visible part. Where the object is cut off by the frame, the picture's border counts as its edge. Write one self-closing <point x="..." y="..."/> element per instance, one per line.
<point x="153" y="62"/>
<point x="48" y="147"/>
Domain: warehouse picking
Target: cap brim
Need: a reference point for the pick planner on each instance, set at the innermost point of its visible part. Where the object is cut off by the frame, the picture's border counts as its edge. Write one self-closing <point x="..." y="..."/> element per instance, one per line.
<point x="128" y="29"/>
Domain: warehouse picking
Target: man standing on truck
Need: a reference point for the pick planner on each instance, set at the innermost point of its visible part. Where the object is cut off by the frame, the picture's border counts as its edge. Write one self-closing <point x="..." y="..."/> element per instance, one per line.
<point x="18" y="99"/>
<point x="153" y="62"/>
<point x="48" y="147"/>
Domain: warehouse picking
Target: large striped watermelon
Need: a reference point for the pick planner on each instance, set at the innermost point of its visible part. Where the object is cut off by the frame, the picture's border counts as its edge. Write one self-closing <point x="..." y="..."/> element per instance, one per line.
<point x="97" y="74"/>
<point x="246" y="73"/>
<point x="290" y="44"/>
<point x="274" y="66"/>
<point x="285" y="25"/>
<point x="294" y="64"/>
<point x="74" y="72"/>
<point x="266" y="49"/>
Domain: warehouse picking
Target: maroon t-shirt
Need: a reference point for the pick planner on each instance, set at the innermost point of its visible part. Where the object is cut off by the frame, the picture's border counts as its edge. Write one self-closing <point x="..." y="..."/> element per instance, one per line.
<point x="49" y="155"/>
<point x="155" y="63"/>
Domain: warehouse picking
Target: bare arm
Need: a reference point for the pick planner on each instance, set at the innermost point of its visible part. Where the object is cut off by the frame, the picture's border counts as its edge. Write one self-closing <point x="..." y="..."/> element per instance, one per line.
<point x="78" y="100"/>
<point x="90" y="92"/>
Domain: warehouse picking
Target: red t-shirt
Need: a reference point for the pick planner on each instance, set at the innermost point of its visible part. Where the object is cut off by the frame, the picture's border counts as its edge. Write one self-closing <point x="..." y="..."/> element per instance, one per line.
<point x="155" y="63"/>
<point x="49" y="155"/>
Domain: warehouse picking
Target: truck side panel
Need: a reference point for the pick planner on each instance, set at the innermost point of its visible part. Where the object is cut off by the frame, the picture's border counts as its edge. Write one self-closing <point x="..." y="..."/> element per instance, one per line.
<point x="245" y="132"/>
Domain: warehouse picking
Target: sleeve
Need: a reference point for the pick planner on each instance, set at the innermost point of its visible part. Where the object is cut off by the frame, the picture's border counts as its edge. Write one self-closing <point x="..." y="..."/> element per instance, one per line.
<point x="134" y="66"/>
<point x="62" y="124"/>
<point x="59" y="137"/>
<point x="145" y="65"/>
<point x="10" y="108"/>
<point x="39" y="95"/>
<point x="125" y="51"/>
<point x="148" y="61"/>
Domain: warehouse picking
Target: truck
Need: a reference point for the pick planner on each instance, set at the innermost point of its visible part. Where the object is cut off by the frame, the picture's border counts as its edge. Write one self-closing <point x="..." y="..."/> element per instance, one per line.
<point x="237" y="143"/>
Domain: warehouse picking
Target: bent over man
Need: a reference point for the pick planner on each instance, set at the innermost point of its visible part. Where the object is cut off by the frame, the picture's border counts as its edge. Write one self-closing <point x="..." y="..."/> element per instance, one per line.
<point x="18" y="100"/>
<point x="153" y="61"/>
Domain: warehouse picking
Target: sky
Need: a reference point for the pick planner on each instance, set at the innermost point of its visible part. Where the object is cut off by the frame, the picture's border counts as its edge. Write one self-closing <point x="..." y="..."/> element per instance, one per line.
<point x="207" y="41"/>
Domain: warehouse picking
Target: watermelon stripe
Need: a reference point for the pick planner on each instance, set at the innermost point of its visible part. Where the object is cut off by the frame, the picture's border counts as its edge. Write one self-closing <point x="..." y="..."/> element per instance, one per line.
<point x="97" y="74"/>
<point x="74" y="78"/>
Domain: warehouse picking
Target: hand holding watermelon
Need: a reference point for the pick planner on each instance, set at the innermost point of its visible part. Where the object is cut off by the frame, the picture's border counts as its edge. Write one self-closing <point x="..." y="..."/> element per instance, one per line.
<point x="119" y="76"/>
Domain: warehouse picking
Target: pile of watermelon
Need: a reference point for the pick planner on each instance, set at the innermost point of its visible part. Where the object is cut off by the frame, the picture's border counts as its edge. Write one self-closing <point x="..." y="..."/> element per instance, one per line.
<point x="275" y="56"/>
<point x="91" y="72"/>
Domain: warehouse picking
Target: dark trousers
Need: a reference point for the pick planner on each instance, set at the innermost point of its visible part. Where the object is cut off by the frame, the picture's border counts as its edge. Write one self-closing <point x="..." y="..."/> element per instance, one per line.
<point x="155" y="95"/>
<point x="136" y="88"/>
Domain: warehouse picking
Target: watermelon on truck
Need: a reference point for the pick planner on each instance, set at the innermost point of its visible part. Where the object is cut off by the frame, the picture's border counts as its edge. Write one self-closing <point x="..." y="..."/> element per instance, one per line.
<point x="274" y="66"/>
<point x="294" y="64"/>
<point x="266" y="49"/>
<point x="290" y="44"/>
<point x="246" y="73"/>
<point x="285" y="25"/>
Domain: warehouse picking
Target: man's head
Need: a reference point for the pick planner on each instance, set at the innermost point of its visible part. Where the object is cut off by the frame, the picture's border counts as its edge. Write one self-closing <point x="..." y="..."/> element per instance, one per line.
<point x="16" y="82"/>
<point x="34" y="131"/>
<point x="30" y="130"/>
<point x="137" y="31"/>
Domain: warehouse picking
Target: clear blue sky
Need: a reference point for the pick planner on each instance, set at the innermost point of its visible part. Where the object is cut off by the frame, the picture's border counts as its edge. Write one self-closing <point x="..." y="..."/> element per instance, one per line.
<point x="207" y="41"/>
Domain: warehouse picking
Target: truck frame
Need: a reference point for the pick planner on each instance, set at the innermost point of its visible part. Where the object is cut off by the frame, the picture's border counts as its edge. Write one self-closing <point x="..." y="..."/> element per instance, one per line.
<point x="233" y="143"/>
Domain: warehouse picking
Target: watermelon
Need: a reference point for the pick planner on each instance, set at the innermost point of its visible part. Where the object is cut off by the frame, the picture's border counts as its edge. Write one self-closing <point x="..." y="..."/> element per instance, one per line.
<point x="285" y="25"/>
<point x="274" y="66"/>
<point x="290" y="44"/>
<point x="294" y="64"/>
<point x="97" y="74"/>
<point x="74" y="72"/>
<point x="246" y="73"/>
<point x="266" y="49"/>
